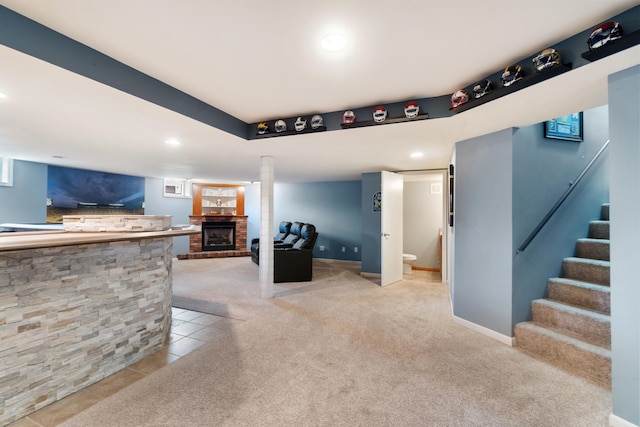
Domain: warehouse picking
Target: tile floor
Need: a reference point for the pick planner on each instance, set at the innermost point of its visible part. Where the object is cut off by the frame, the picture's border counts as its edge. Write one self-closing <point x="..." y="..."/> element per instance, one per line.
<point x="189" y="330"/>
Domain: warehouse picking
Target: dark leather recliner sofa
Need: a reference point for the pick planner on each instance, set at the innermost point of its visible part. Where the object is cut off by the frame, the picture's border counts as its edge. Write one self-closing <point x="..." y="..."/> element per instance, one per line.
<point x="292" y="252"/>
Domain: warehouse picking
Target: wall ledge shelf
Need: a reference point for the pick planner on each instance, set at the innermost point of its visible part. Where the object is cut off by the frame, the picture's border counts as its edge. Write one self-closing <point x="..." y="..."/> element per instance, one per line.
<point x="526" y="81"/>
<point x="290" y="132"/>
<point x="386" y="122"/>
<point x="627" y="41"/>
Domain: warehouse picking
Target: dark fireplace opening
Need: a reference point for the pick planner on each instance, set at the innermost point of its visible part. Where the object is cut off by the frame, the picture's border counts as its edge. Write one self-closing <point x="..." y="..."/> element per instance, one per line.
<point x="218" y="236"/>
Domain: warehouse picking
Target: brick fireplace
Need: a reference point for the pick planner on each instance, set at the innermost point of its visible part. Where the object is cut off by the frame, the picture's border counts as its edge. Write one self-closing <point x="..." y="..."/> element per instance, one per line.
<point x="195" y="240"/>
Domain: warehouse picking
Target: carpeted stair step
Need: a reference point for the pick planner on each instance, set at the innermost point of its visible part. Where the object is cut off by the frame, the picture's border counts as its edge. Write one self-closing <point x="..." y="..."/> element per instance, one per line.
<point x="604" y="212"/>
<point x="599" y="229"/>
<point x="566" y="352"/>
<point x="581" y="294"/>
<point x="586" y="270"/>
<point x="593" y="249"/>
<point x="587" y="325"/>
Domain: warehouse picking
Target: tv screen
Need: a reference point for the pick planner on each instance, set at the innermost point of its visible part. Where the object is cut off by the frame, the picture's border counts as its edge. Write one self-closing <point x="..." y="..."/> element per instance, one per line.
<point x="78" y="191"/>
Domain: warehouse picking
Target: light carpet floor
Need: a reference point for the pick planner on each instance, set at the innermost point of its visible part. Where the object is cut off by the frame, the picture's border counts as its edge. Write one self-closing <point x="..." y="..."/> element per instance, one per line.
<point x="342" y="351"/>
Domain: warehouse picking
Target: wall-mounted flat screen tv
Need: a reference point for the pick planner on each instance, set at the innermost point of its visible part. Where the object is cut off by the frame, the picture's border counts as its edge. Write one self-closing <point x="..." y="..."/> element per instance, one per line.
<point x="73" y="191"/>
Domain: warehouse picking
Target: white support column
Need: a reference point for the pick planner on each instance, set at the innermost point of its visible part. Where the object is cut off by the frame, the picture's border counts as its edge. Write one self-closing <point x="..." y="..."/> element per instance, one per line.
<point x="266" y="226"/>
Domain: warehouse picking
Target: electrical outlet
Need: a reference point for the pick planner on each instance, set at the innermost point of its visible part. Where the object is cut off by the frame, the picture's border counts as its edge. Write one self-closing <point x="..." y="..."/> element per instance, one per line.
<point x="355" y="249"/>
<point x="321" y="248"/>
<point x="344" y="249"/>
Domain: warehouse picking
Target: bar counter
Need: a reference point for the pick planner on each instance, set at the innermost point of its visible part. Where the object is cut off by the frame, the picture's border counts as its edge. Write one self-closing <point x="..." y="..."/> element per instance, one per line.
<point x="76" y="307"/>
<point x="46" y="239"/>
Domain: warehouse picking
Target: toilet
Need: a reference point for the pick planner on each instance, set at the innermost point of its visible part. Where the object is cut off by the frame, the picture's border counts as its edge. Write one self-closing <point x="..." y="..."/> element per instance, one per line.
<point x="407" y="262"/>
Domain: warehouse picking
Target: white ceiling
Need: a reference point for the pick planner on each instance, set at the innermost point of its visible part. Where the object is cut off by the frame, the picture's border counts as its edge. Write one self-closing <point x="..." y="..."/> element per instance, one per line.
<point x="259" y="61"/>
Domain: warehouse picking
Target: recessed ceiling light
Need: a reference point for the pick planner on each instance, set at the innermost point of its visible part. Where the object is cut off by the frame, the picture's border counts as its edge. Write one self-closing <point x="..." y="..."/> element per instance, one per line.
<point x="58" y="157"/>
<point x="172" y="142"/>
<point x="417" y="155"/>
<point x="334" y="42"/>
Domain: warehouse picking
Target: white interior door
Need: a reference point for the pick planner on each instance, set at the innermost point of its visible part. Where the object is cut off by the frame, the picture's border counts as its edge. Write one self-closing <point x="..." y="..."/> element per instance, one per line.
<point x="391" y="210"/>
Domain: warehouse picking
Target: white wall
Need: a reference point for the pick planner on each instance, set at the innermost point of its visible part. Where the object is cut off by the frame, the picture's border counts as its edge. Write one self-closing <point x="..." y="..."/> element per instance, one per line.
<point x="422" y="219"/>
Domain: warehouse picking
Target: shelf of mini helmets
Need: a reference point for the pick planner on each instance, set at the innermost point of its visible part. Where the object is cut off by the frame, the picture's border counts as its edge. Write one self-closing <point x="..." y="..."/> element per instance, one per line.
<point x="271" y="133"/>
<point x="524" y="82"/>
<point x="625" y="42"/>
<point x="358" y="124"/>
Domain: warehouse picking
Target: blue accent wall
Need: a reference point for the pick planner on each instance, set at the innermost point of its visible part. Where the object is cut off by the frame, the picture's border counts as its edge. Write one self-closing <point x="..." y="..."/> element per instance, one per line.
<point x="371" y="224"/>
<point x="505" y="183"/>
<point x="624" y="113"/>
<point x="178" y="207"/>
<point x="483" y="231"/>
<point x="333" y="207"/>
<point x="542" y="171"/>
<point x="26" y="200"/>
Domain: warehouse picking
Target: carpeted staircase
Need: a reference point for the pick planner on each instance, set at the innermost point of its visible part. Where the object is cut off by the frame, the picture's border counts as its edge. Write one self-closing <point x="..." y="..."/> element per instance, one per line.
<point x="572" y="327"/>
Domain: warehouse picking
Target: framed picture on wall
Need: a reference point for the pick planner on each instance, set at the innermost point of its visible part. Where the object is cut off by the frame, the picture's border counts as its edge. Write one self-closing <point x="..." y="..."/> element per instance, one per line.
<point x="568" y="128"/>
<point x="377" y="202"/>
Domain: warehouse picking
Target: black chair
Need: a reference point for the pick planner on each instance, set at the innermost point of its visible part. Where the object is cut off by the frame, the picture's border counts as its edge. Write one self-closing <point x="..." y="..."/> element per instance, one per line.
<point x="283" y="232"/>
<point x="295" y="232"/>
<point x="294" y="263"/>
<point x="293" y="255"/>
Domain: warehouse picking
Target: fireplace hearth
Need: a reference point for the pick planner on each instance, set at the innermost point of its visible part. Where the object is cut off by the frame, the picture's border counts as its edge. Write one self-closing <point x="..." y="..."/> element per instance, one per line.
<point x="218" y="236"/>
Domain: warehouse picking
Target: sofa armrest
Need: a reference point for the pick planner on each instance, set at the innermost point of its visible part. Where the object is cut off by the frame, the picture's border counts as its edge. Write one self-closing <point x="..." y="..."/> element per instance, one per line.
<point x="283" y="246"/>
<point x="257" y="240"/>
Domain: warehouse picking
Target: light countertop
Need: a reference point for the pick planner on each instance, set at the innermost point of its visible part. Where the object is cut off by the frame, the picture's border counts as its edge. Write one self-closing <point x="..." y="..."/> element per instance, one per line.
<point x="44" y="239"/>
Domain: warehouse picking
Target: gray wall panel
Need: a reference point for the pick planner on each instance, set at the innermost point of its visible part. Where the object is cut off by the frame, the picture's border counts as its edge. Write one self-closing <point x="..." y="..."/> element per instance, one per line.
<point x="26" y="200"/>
<point x="483" y="235"/>
<point x="624" y="108"/>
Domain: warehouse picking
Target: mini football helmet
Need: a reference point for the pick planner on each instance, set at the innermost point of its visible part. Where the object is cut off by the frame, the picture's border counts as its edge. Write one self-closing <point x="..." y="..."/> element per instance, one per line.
<point x="348" y="117"/>
<point x="458" y="98"/>
<point x="263" y="128"/>
<point x="316" y="121"/>
<point x="379" y="114"/>
<point x="411" y="110"/>
<point x="546" y="59"/>
<point x="603" y="34"/>
<point x="300" y="124"/>
<point x="280" y="126"/>
<point x="481" y="88"/>
<point x="511" y="74"/>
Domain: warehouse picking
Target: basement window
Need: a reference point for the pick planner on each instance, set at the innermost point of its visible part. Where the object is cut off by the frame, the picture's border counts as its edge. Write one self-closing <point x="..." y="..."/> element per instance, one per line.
<point x="6" y="172"/>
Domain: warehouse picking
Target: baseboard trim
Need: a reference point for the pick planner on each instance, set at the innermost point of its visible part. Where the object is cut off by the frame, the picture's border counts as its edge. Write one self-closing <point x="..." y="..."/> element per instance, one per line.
<point x="615" y="421"/>
<point x="510" y="341"/>
<point x="338" y="261"/>
<point x="434" y="269"/>
<point x="370" y="275"/>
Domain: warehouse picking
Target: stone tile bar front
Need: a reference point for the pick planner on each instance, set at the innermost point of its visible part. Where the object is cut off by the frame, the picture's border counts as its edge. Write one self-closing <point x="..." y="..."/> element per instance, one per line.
<point x="76" y="308"/>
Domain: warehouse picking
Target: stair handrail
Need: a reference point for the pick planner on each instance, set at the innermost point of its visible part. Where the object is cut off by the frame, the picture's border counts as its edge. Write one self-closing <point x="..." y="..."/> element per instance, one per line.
<point x="561" y="200"/>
